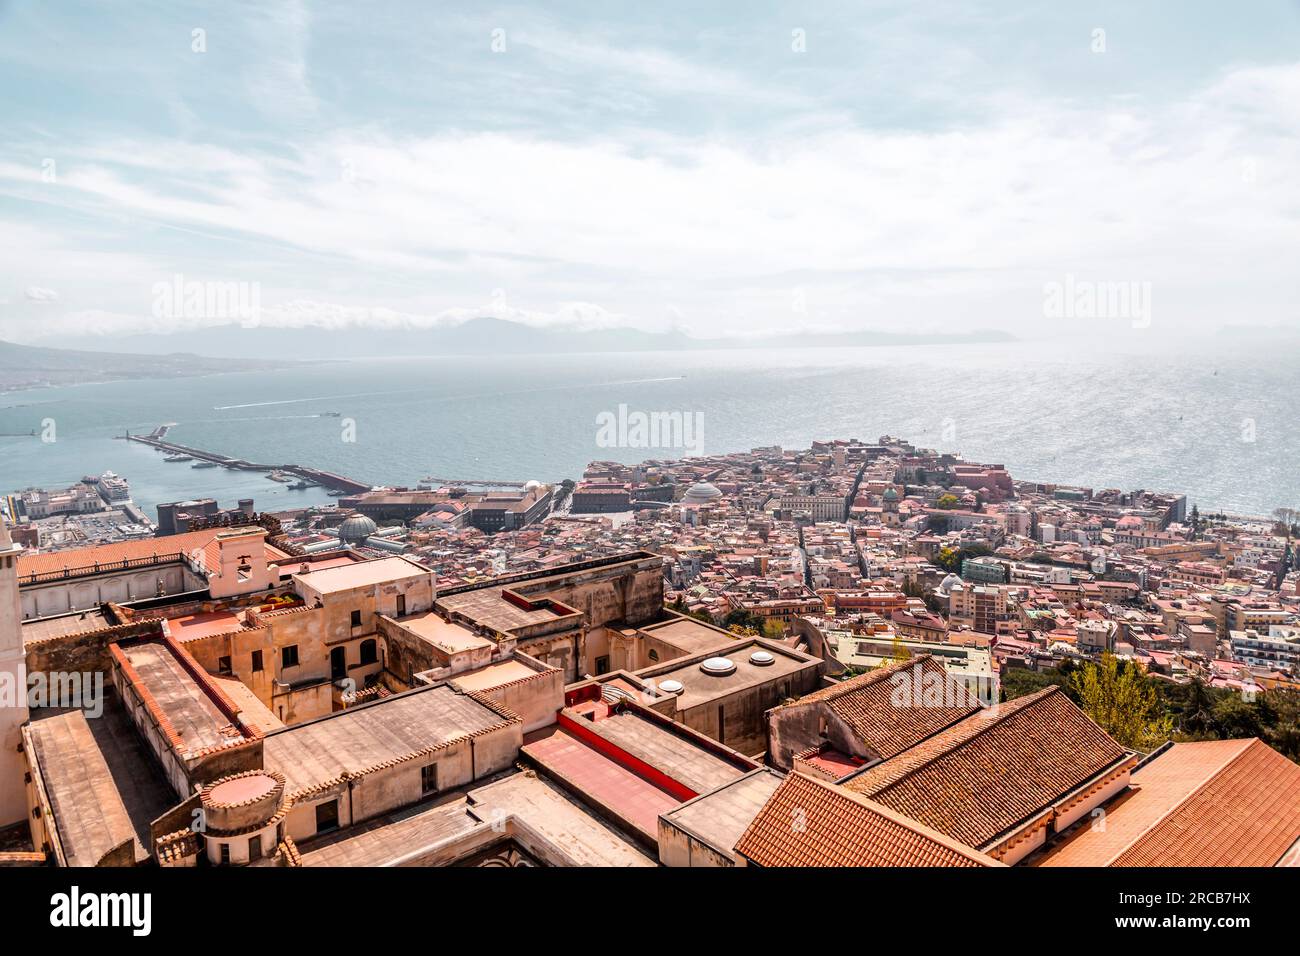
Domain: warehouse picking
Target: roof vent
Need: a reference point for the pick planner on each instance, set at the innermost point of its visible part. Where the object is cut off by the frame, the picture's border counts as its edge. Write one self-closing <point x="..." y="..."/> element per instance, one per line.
<point x="761" y="659"/>
<point x="672" y="686"/>
<point x="718" y="666"/>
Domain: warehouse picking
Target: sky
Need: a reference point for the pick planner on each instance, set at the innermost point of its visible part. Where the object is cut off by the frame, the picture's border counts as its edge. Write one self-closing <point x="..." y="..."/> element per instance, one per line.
<point x="724" y="169"/>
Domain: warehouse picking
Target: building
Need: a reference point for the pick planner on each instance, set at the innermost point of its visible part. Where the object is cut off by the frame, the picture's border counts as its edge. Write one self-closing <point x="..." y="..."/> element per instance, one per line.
<point x="13" y="676"/>
<point x="1208" y="803"/>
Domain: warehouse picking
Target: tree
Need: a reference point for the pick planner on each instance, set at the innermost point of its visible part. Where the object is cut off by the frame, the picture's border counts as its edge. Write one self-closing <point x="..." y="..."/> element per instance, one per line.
<point x="1122" y="701"/>
<point x="947" y="501"/>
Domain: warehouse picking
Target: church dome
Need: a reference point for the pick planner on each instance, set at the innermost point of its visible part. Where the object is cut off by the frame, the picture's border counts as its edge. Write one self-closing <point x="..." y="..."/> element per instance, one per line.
<point x="891" y="494"/>
<point x="949" y="583"/>
<point x="356" y="528"/>
<point x="701" y="493"/>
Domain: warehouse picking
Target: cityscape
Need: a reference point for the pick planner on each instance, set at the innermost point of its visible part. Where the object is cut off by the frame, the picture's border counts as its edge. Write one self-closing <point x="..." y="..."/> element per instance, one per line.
<point x="853" y="443"/>
<point x="921" y="660"/>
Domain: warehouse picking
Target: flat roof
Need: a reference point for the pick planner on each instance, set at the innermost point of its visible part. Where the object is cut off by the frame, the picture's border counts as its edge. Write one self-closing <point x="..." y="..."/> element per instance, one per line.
<point x="690" y="635"/>
<point x="674" y="755"/>
<point x="362" y="574"/>
<point x="102" y="785"/>
<point x="700" y="688"/>
<point x="360" y="738"/>
<point x="632" y="797"/>
<point x="494" y="675"/>
<point x="385" y="838"/>
<point x="75" y="623"/>
<point x="487" y="606"/>
<point x="543" y="806"/>
<point x="191" y="626"/>
<point x="444" y="635"/>
<point x="190" y="708"/>
<point x="721" y="817"/>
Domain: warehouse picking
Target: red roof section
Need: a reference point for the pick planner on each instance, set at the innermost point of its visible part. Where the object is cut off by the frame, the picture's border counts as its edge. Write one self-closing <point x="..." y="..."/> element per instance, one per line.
<point x="810" y="823"/>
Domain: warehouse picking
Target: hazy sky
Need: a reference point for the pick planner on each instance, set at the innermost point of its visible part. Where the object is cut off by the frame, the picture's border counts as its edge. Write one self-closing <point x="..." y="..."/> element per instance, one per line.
<point x="721" y="167"/>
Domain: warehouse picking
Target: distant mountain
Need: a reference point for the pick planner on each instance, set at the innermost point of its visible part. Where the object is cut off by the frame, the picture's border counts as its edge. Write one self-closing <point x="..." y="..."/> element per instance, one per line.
<point x="28" y="366"/>
<point x="488" y="336"/>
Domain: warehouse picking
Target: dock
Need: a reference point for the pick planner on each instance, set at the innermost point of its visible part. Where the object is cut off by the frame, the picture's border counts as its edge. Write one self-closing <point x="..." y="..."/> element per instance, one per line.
<point x="326" y="478"/>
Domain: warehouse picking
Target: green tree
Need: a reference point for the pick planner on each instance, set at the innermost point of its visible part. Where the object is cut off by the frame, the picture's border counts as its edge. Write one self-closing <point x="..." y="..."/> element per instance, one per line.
<point x="947" y="501"/>
<point x="1122" y="701"/>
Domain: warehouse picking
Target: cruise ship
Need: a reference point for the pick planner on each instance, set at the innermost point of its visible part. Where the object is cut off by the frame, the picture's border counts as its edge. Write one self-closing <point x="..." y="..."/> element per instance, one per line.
<point x="113" y="488"/>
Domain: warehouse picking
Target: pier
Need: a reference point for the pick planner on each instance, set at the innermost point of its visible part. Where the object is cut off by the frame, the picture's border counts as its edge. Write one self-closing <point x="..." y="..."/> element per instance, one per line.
<point x="326" y="478"/>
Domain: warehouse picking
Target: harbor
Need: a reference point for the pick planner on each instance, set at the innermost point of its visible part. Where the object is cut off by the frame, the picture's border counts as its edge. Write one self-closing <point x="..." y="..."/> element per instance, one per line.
<point x="297" y="477"/>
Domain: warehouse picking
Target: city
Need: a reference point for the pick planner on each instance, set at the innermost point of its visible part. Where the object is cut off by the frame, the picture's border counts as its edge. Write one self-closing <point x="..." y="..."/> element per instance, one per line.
<point x="853" y="443"/>
<point x="659" y="664"/>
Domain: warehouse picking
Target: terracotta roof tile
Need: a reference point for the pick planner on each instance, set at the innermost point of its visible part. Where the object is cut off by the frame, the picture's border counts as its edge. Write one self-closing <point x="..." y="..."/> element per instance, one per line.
<point x="869" y="704"/>
<point x="810" y="823"/>
<point x="994" y="770"/>
<point x="1209" y="803"/>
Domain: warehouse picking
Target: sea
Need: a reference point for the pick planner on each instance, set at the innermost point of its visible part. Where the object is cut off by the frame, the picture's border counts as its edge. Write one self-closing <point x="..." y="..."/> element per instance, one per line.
<point x="1218" y="420"/>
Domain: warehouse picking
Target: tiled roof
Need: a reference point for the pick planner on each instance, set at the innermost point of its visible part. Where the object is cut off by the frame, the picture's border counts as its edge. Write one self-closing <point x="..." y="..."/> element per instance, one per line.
<point x="869" y="704"/>
<point x="810" y="823"/>
<point x="1210" y="803"/>
<point x="167" y="546"/>
<point x="996" y="769"/>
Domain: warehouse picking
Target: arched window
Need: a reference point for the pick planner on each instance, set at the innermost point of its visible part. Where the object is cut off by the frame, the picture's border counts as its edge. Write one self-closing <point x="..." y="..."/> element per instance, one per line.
<point x="369" y="651"/>
<point x="653" y="655"/>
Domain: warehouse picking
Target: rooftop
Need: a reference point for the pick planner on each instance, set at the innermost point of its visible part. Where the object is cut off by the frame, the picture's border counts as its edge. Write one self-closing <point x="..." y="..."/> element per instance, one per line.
<point x="889" y="709"/>
<point x="102" y="785"/>
<point x="447" y="636"/>
<point x="1208" y="803"/>
<point x="356" y="740"/>
<point x="720" y="817"/>
<point x="700" y="687"/>
<point x="994" y="770"/>
<point x="810" y="823"/>
<point x="362" y="574"/>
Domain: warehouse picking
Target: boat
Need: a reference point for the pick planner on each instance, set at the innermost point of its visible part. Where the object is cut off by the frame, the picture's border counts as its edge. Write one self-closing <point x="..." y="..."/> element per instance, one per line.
<point x="336" y="493"/>
<point x="179" y="458"/>
<point x="331" y="414"/>
<point x="279" y="476"/>
<point x="206" y="464"/>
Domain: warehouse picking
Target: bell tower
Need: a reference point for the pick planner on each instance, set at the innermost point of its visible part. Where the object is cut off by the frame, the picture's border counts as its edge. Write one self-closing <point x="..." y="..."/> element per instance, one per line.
<point x="13" y="684"/>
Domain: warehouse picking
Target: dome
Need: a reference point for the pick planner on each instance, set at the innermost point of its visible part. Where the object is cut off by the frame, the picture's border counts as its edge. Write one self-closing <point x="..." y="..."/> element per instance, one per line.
<point x="356" y="528"/>
<point x="949" y="583"/>
<point x="530" y="485"/>
<point x="891" y="494"/>
<point x="701" y="493"/>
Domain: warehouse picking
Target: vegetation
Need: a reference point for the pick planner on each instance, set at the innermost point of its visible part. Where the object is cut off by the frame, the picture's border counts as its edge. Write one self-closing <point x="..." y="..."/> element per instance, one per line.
<point x="1123" y="703"/>
<point x="947" y="502"/>
<point x="1193" y="711"/>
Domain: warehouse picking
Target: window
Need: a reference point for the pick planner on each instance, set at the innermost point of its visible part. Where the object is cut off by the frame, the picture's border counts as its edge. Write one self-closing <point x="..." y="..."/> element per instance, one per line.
<point x="369" y="651"/>
<point x="289" y="656"/>
<point x="327" y="816"/>
<point x="602" y="665"/>
<point x="401" y="605"/>
<point x="254" y="848"/>
<point x="722" y="721"/>
<point x="225" y="854"/>
<point x="429" y="778"/>
<point x="257" y="661"/>
<point x="223" y="665"/>
<point x="653" y="655"/>
<point x="356" y="618"/>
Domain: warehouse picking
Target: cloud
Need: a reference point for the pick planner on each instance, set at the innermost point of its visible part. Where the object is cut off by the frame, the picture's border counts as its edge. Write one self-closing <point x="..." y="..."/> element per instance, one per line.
<point x="36" y="293"/>
<point x="868" y="226"/>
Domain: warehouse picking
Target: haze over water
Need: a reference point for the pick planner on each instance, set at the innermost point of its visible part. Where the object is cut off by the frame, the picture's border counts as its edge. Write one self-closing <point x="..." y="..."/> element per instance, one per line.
<point x="1145" y="417"/>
